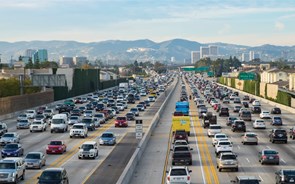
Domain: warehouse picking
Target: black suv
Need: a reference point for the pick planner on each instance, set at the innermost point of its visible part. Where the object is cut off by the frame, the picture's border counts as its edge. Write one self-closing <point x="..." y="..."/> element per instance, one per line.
<point x="238" y="125"/>
<point x="246" y="180"/>
<point x="278" y="135"/>
<point x="285" y="176"/>
<point x="224" y="111"/>
<point x="256" y="110"/>
<point x="182" y="158"/>
<point x="276" y="110"/>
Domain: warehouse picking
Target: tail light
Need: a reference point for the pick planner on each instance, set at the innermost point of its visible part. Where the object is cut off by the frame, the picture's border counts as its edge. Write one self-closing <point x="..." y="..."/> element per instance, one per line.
<point x="168" y="178"/>
<point x="188" y="178"/>
<point x="264" y="157"/>
<point x="277" y="156"/>
<point x="294" y="131"/>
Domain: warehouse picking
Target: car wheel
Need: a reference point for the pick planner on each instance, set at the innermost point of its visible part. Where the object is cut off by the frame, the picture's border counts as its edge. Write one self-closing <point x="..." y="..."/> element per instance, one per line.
<point x="237" y="169"/>
<point x="219" y="169"/>
<point x="51" y="131"/>
<point x="71" y="136"/>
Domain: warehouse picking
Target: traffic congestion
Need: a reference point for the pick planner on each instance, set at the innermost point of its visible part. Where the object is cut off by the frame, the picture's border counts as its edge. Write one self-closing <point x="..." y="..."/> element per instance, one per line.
<point x="50" y="144"/>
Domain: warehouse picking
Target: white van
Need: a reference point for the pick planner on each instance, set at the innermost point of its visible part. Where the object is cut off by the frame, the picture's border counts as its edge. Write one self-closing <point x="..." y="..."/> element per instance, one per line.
<point x="59" y="123"/>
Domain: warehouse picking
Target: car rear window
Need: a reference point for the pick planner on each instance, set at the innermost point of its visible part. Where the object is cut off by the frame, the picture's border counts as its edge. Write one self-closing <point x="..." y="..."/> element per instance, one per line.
<point x="178" y="172"/>
<point x="181" y="155"/>
<point x="251" y="135"/>
<point x="229" y="157"/>
<point x="121" y="118"/>
<point x="215" y="127"/>
<point x="224" y="143"/>
<point x="270" y="152"/>
<point x="181" y="148"/>
<point x="289" y="172"/>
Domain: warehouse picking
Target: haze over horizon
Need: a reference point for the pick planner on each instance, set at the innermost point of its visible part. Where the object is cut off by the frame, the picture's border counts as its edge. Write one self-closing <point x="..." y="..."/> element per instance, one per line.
<point x="250" y="23"/>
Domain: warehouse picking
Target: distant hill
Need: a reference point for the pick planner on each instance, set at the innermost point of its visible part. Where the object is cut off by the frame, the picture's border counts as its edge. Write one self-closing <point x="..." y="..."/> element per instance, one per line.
<point x="117" y="51"/>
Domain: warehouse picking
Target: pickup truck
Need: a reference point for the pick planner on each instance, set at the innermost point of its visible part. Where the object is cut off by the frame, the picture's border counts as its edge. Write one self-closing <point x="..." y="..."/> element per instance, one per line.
<point x="209" y="119"/>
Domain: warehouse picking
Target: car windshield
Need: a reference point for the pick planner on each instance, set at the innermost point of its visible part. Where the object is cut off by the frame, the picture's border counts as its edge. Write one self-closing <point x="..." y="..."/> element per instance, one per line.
<point x="57" y="121"/>
<point x="220" y="136"/>
<point x="78" y="127"/>
<point x="277" y="118"/>
<point x="181" y="148"/>
<point x="86" y="120"/>
<point x="74" y="117"/>
<point x="107" y="135"/>
<point x="87" y="146"/>
<point x="48" y="111"/>
<point x="23" y="121"/>
<point x="55" y="143"/>
<point x="229" y="157"/>
<point x="8" y="135"/>
<point x="33" y="156"/>
<point x="22" y="115"/>
<point x="30" y="112"/>
<point x="289" y="172"/>
<point x="37" y="123"/>
<point x="50" y="175"/>
<point x="246" y="113"/>
<point x="133" y="109"/>
<point x="11" y="146"/>
<point x="178" y="172"/>
<point x="121" y="118"/>
<point x="7" y="165"/>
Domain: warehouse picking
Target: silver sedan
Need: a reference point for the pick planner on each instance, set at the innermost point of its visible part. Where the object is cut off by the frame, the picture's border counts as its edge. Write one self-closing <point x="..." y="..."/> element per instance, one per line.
<point x="35" y="160"/>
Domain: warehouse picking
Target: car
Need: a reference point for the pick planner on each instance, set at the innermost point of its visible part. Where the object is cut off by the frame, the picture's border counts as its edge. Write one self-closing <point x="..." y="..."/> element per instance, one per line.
<point x="12" y="169"/>
<point x="182" y="158"/>
<point x="269" y="156"/>
<point x="180" y="135"/>
<point x="265" y="115"/>
<point x="142" y="93"/>
<point x="143" y="103"/>
<point x="151" y="98"/>
<point x="97" y="122"/>
<point x="292" y="132"/>
<point x="245" y="104"/>
<point x="9" y="137"/>
<point x="147" y="102"/>
<point x="38" y="125"/>
<point x="245" y="115"/>
<point x="35" y="160"/>
<point x="88" y="113"/>
<point x="41" y="109"/>
<point x="283" y="176"/>
<point x="223" y="146"/>
<point x="277" y="120"/>
<point x="227" y="160"/>
<point x="88" y="121"/>
<point x="238" y="125"/>
<point x="275" y="110"/>
<point x="246" y="180"/>
<point x="101" y="117"/>
<point x="74" y="120"/>
<point x="224" y="111"/>
<point x="121" y="121"/>
<point x="140" y="107"/>
<point x="48" y="113"/>
<point x="22" y="117"/>
<point x="255" y="109"/>
<point x="79" y="130"/>
<point x="230" y="120"/>
<point x="177" y="148"/>
<point x="180" y="142"/>
<point x="31" y="114"/>
<point x="259" y="123"/>
<point x="23" y="124"/>
<point x="178" y="174"/>
<point x="107" y="138"/>
<point x="3" y="128"/>
<point x="246" y="97"/>
<point x="217" y="137"/>
<point x="256" y="103"/>
<point x="53" y="175"/>
<point x="226" y="100"/>
<point x="237" y="108"/>
<point x="135" y="111"/>
<point x="120" y="106"/>
<point x="88" y="149"/>
<point x="130" y="116"/>
<point x="249" y="138"/>
<point x="56" y="147"/>
<point x="278" y="135"/>
<point x="237" y="100"/>
<point x="12" y="150"/>
<point x="213" y="129"/>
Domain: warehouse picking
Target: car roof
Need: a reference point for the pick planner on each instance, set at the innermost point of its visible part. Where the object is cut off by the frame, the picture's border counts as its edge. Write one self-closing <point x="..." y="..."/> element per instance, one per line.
<point x="90" y="142"/>
<point x="247" y="177"/>
<point x="178" y="167"/>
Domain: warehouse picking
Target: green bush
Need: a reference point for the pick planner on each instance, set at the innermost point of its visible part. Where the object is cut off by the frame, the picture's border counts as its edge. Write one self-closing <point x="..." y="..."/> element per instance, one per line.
<point x="233" y="83"/>
<point x="11" y="87"/>
<point x="284" y="98"/>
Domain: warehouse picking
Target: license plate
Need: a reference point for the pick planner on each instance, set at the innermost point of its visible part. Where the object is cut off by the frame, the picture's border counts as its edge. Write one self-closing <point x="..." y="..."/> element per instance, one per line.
<point x="291" y="180"/>
<point x="8" y="153"/>
<point x="270" y="157"/>
<point x="53" y="151"/>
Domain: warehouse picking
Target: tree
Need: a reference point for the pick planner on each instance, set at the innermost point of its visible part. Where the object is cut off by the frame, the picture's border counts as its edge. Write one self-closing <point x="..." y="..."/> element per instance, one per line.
<point x="37" y="64"/>
<point x="29" y="64"/>
<point x="135" y="63"/>
<point x="20" y="58"/>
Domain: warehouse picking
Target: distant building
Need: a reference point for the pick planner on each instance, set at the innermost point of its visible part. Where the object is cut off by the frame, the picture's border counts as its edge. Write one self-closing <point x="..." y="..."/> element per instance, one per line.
<point x="25" y="59"/>
<point x="30" y="52"/>
<point x="204" y="52"/>
<point x="213" y="50"/>
<point x="40" y="55"/>
<point x="245" y="57"/>
<point x="172" y="59"/>
<point x="195" y="56"/>
<point x="66" y="61"/>
<point x="79" y="60"/>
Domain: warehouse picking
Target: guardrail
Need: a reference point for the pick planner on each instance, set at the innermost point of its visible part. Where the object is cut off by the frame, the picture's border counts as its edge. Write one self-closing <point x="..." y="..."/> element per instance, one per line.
<point x="281" y="106"/>
<point x="130" y="168"/>
<point x="51" y="105"/>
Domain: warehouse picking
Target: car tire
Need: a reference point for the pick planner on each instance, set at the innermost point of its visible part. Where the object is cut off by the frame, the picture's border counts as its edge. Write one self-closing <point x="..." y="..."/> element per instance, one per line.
<point x="237" y="169"/>
<point x="219" y="169"/>
<point x="71" y="136"/>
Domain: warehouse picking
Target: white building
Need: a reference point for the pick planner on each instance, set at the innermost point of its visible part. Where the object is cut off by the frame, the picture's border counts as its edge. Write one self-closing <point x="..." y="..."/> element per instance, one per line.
<point x="66" y="61"/>
<point x="253" y="55"/>
<point x="30" y="52"/>
<point x="79" y="60"/>
<point x="195" y="56"/>
<point x="204" y="52"/>
<point x="245" y="57"/>
<point x="213" y="50"/>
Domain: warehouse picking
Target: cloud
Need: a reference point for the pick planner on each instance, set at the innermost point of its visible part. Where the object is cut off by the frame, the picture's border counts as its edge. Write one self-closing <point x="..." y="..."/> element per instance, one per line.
<point x="225" y="29"/>
<point x="279" y="26"/>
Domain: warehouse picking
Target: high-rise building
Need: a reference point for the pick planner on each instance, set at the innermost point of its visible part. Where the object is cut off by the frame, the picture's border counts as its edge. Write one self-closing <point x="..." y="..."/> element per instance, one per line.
<point x="79" y="60"/>
<point x="213" y="50"/>
<point x="40" y="55"/>
<point x="172" y="59"/>
<point x="66" y="61"/>
<point x="204" y="52"/>
<point x="30" y="52"/>
<point x="245" y="57"/>
<point x="195" y="56"/>
<point x="251" y="55"/>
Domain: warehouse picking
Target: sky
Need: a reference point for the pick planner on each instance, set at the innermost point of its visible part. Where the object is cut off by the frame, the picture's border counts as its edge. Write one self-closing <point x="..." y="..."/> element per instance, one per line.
<point x="245" y="22"/>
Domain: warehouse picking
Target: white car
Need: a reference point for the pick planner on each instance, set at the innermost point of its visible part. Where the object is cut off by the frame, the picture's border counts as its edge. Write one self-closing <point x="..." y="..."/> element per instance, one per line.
<point x="74" y="120"/>
<point x="120" y="98"/>
<point x="31" y="114"/>
<point x="213" y="129"/>
<point x="142" y="93"/>
<point x="120" y="106"/>
<point x="22" y="117"/>
<point x="223" y="146"/>
<point x="259" y="123"/>
<point x="38" y="125"/>
<point x="218" y="137"/>
<point x="125" y="104"/>
<point x="88" y="113"/>
<point x="178" y="174"/>
<point x="256" y="103"/>
<point x="265" y="115"/>
<point x="79" y="130"/>
<point x="89" y="149"/>
<point x="152" y="98"/>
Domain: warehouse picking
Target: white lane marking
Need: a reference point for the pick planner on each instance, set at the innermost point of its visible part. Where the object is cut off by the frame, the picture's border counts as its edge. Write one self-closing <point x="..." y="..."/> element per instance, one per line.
<point x="239" y="147"/>
<point x="283" y="160"/>
<point x="260" y="178"/>
<point x="248" y="160"/>
<point x="268" y="147"/>
<point x="196" y="139"/>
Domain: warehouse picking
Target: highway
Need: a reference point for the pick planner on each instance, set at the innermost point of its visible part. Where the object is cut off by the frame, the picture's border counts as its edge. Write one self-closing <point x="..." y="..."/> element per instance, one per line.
<point x="37" y="141"/>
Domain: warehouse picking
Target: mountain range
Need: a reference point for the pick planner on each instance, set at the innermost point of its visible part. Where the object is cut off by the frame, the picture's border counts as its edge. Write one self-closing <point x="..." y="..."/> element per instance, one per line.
<point x="114" y="51"/>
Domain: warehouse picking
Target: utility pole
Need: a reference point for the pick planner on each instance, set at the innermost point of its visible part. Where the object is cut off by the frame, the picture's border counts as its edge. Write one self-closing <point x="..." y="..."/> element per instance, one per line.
<point x="0" y="63"/>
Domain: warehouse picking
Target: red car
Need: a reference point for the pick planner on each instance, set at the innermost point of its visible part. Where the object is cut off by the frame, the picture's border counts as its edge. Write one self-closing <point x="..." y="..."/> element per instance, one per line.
<point x="121" y="121"/>
<point x="56" y="147"/>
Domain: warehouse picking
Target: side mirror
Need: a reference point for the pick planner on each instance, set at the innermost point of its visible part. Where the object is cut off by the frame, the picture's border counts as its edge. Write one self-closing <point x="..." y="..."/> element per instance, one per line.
<point x="191" y="149"/>
<point x="38" y="177"/>
<point x="171" y="149"/>
<point x="79" y="147"/>
<point x="233" y="181"/>
<point x="190" y="171"/>
<point x="167" y="171"/>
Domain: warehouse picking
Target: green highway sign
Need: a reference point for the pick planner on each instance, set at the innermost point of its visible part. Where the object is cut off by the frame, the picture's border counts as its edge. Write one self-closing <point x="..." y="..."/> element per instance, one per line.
<point x="247" y="76"/>
<point x="199" y="69"/>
